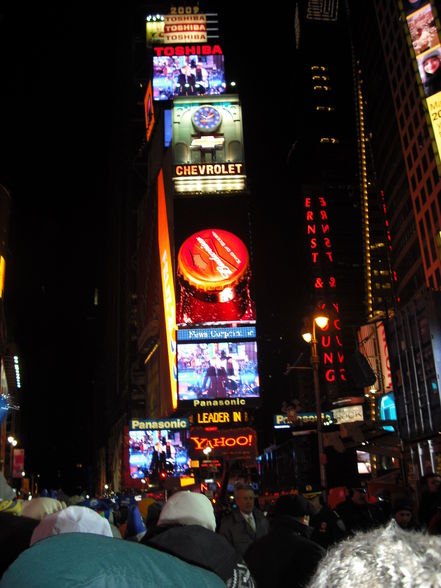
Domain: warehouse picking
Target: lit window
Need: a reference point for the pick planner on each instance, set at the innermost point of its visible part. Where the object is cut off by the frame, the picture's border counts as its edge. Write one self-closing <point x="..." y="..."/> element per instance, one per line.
<point x="332" y="140"/>
<point x="325" y="108"/>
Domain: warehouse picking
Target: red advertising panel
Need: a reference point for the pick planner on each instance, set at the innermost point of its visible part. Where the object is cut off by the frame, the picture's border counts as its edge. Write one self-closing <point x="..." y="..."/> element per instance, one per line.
<point x="226" y="443"/>
<point x="213" y="278"/>
<point x="18" y="463"/>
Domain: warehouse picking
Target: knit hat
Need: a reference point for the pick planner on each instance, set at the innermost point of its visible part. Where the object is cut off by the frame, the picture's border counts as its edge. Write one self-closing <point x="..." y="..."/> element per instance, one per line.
<point x="188" y="508"/>
<point x="73" y="519"/>
<point x="39" y="508"/>
<point x="402" y="503"/>
<point x="294" y="505"/>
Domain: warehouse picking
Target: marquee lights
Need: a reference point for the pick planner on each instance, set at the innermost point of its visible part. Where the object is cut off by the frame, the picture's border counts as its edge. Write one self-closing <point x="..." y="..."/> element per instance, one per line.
<point x="17" y="371"/>
<point x="213" y="184"/>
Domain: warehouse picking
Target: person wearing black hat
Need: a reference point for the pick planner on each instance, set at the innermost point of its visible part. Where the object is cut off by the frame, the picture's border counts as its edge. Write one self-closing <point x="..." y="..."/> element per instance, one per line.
<point x="432" y="73"/>
<point x="430" y="499"/>
<point x="286" y="556"/>
<point x="402" y="509"/>
<point x="357" y="514"/>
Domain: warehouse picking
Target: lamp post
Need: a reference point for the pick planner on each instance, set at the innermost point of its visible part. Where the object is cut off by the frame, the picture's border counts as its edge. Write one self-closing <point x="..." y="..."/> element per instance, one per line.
<point x="321" y="321"/>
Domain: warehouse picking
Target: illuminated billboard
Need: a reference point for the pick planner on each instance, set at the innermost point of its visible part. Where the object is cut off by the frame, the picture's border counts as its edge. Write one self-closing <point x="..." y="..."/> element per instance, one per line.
<point x="187" y="70"/>
<point x="208" y="152"/>
<point x="168" y="290"/>
<point x="184" y="24"/>
<point x="158" y="451"/>
<point x="185" y="28"/>
<point x="221" y="370"/>
<point x="213" y="278"/>
<point x="226" y="443"/>
<point x="424" y="29"/>
<point x="302" y="419"/>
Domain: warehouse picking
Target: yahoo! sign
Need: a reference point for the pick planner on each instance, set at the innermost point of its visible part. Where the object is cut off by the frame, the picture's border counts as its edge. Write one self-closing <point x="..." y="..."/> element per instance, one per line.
<point x="231" y="443"/>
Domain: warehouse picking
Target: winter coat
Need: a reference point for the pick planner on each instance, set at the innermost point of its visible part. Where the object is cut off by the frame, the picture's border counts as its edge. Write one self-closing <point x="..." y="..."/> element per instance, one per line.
<point x="284" y="557"/>
<point x="202" y="547"/>
<point x="239" y="533"/>
<point x="71" y="560"/>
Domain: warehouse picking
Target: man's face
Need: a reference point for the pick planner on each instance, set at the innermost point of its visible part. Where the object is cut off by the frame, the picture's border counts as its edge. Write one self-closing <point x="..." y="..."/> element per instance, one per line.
<point x="403" y="518"/>
<point x="358" y="496"/>
<point x="245" y="500"/>
<point x="431" y="65"/>
<point x="433" y="484"/>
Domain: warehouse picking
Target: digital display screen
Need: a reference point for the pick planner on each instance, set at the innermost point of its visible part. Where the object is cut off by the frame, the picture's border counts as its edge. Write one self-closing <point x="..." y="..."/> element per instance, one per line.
<point x="154" y="452"/>
<point x="213" y="279"/>
<point x="388" y="410"/>
<point x="364" y="462"/>
<point x="226" y="369"/>
<point x="187" y="75"/>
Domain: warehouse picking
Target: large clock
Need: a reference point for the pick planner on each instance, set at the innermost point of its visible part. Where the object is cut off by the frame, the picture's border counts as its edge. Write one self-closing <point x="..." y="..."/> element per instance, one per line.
<point x="206" y="118"/>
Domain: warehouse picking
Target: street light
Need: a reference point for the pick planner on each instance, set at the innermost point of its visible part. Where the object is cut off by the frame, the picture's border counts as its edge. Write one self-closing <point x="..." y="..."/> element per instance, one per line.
<point x="321" y="321"/>
<point x="12" y="442"/>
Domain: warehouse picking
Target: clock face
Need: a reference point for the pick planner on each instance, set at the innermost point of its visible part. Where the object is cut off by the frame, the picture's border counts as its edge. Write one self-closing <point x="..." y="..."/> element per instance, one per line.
<point x="206" y="118"/>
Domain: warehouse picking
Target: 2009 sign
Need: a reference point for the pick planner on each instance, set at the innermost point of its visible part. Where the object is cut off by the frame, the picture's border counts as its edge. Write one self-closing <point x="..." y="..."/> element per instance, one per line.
<point x="184" y="10"/>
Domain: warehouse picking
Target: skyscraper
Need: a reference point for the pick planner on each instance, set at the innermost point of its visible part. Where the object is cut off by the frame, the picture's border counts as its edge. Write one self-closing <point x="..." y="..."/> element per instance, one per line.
<point x="402" y="116"/>
<point x="325" y="178"/>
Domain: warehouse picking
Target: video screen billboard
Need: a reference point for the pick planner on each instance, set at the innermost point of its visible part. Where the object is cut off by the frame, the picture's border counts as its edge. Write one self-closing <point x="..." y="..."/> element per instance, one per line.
<point x="152" y="452"/>
<point x="364" y="465"/>
<point x="177" y="72"/>
<point x="214" y="274"/>
<point x="218" y="370"/>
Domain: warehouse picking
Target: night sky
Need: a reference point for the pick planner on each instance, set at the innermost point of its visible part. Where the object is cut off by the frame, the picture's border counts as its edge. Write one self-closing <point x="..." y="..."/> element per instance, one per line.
<point x="57" y="116"/>
<point x="62" y="100"/>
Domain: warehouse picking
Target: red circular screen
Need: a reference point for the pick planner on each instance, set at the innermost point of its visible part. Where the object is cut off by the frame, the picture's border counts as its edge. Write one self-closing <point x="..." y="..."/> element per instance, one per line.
<point x="213" y="259"/>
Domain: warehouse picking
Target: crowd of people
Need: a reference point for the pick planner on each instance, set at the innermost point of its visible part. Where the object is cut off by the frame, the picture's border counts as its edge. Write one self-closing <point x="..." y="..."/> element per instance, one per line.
<point x="298" y="541"/>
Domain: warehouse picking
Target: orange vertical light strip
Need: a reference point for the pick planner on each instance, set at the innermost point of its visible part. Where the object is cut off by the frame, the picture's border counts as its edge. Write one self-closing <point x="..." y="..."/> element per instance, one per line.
<point x="149" y="111"/>
<point x="168" y="289"/>
<point x="2" y="274"/>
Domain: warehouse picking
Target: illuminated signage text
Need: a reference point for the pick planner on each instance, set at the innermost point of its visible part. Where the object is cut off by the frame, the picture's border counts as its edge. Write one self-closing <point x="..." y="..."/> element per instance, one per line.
<point x="209" y="169"/>
<point x="217" y="333"/>
<point x="241" y="440"/>
<point x="207" y="418"/>
<point x="281" y="421"/>
<point x="159" y="424"/>
<point x="187" y="50"/>
<point x="322" y="257"/>
<point x="219" y="402"/>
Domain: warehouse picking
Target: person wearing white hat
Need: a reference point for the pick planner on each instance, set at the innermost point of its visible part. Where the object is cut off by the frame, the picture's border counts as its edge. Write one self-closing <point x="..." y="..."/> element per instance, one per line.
<point x="73" y="519"/>
<point x="186" y="529"/>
